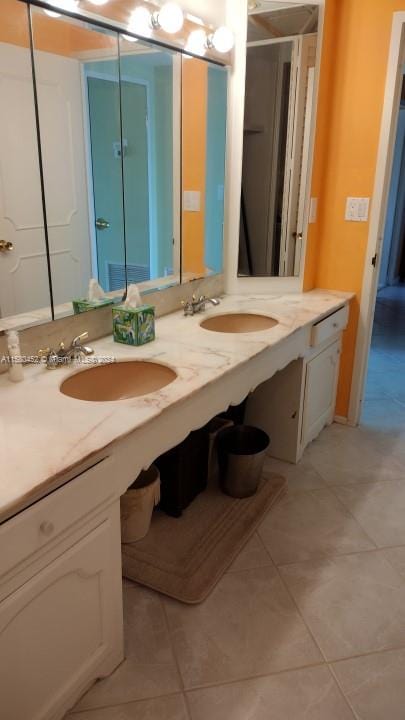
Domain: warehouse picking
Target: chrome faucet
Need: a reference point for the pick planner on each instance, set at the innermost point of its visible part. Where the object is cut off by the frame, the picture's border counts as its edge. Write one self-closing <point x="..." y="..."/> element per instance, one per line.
<point x="65" y="356"/>
<point x="196" y="305"/>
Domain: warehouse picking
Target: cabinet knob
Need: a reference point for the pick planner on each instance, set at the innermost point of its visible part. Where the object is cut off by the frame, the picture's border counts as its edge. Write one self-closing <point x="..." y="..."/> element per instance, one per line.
<point x="46" y="528"/>
<point x="6" y="246"/>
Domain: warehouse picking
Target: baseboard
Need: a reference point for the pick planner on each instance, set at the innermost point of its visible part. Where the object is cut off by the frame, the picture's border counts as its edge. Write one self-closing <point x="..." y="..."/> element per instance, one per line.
<point x="340" y="419"/>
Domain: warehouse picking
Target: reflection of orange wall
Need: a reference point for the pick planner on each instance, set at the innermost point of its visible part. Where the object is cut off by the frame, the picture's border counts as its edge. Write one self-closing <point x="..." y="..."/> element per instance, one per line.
<point x="14" y="23"/>
<point x="354" y="65"/>
<point x="195" y="88"/>
<point x="54" y="35"/>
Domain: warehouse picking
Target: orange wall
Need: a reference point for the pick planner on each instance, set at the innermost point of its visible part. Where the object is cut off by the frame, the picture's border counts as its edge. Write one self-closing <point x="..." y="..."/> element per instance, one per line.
<point x="55" y="35"/>
<point x="194" y="92"/>
<point x="354" y="64"/>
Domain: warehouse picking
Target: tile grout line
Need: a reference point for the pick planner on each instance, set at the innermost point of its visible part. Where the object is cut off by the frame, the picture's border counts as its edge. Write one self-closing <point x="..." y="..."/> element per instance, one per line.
<point x="310" y="632"/>
<point x="332" y="672"/>
<point x="319" y="558"/>
<point x="174" y="655"/>
<point x="355" y="519"/>
<point x="124" y="703"/>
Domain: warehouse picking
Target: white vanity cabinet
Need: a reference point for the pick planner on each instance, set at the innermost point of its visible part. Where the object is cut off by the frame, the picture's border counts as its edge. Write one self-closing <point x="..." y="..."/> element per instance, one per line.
<point x="60" y="597"/>
<point x="321" y="378"/>
<point x="298" y="401"/>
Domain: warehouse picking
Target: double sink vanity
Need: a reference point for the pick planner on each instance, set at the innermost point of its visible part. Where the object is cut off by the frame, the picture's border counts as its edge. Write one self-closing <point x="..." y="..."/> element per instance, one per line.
<point x="138" y="187"/>
<point x="73" y="441"/>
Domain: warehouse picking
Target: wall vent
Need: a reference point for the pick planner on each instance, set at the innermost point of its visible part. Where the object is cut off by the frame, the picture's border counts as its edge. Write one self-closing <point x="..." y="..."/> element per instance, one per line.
<point x="135" y="273"/>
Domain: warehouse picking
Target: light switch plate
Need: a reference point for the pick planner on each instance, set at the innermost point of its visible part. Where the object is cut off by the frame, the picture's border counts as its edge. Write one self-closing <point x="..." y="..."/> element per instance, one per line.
<point x="357" y="209"/>
<point x="313" y="210"/>
<point x="192" y="200"/>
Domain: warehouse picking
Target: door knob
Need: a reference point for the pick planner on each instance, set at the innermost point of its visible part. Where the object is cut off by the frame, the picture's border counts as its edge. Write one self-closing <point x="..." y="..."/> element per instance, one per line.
<point x="6" y="246"/>
<point x="102" y="224"/>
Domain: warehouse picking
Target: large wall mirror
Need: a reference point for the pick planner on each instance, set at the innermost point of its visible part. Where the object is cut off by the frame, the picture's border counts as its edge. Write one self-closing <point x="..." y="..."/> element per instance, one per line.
<point x="24" y="278"/>
<point x="77" y="79"/>
<point x="204" y="106"/>
<point x="151" y="118"/>
<point x="112" y="162"/>
<point x="279" y="112"/>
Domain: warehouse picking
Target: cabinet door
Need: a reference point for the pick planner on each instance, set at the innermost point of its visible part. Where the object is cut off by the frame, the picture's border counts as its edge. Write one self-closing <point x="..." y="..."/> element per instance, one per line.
<point x="320" y="392"/>
<point x="59" y="631"/>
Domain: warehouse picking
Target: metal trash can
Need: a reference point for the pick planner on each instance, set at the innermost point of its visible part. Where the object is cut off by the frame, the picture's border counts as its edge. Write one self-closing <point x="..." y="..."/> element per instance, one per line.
<point x="137" y="505"/>
<point x="241" y="452"/>
<point x="214" y="429"/>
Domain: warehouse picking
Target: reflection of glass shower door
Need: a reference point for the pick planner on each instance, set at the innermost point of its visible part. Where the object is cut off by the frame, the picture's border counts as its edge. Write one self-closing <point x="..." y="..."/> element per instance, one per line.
<point x="104" y="120"/>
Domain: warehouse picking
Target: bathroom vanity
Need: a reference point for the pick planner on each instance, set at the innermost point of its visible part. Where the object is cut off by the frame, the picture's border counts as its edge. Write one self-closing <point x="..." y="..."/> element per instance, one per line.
<point x="135" y="190"/>
<point x="67" y="461"/>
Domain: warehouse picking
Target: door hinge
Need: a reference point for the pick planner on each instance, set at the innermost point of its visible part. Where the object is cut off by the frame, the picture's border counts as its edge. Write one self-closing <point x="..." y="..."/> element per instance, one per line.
<point x="374" y="260"/>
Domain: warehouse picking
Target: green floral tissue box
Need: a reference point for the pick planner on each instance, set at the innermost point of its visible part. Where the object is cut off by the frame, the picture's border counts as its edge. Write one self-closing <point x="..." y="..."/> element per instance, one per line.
<point x="134" y="326"/>
<point x="82" y="305"/>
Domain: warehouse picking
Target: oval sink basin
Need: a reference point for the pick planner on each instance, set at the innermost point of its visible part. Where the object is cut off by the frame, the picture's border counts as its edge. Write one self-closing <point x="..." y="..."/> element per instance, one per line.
<point x="238" y="323"/>
<point x="117" y="381"/>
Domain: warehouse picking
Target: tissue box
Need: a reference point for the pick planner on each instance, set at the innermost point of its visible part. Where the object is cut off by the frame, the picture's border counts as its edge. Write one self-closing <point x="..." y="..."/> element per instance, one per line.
<point x="82" y="305"/>
<point x="134" y="326"/>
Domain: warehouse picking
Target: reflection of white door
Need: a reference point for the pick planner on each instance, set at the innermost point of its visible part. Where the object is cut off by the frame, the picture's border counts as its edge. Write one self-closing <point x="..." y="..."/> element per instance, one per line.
<point x="295" y="178"/>
<point x="23" y="271"/>
<point x="62" y="140"/>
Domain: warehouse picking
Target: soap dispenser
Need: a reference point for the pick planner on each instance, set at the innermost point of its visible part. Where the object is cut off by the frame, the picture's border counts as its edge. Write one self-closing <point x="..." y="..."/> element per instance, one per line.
<point x="15" y="371"/>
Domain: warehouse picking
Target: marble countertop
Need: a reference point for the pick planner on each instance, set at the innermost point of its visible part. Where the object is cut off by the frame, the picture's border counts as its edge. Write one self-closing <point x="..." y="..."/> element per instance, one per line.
<point x="43" y="434"/>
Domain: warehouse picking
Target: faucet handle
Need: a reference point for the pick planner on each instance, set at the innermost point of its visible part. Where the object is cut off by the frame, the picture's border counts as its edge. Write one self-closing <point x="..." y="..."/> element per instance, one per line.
<point x="79" y="339"/>
<point x="44" y="352"/>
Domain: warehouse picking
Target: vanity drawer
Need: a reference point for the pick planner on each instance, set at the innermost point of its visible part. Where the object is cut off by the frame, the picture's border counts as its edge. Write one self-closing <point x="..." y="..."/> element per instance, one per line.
<point x="329" y="326"/>
<point x="43" y="523"/>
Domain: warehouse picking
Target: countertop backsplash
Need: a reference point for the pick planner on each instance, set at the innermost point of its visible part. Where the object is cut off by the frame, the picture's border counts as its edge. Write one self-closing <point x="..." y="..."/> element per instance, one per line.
<point x="98" y="323"/>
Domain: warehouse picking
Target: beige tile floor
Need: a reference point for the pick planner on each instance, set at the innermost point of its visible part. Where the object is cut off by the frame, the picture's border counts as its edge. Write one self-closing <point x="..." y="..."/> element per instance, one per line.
<point x="309" y="621"/>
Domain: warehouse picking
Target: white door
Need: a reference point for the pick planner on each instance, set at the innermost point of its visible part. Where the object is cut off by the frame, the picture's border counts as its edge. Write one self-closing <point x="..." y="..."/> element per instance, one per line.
<point x="60" y="105"/>
<point x="296" y="167"/>
<point x="23" y="269"/>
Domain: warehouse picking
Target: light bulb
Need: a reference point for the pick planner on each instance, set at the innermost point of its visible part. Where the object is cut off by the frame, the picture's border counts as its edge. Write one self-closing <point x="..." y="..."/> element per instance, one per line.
<point x="98" y="2"/>
<point x="63" y="5"/>
<point x="222" y="39"/>
<point x="140" y="22"/>
<point x="170" y="18"/>
<point x="197" y="42"/>
<point x="129" y="38"/>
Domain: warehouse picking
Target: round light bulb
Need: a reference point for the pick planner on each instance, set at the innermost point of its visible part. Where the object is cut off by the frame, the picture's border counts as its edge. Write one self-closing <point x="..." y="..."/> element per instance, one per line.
<point x="129" y="38"/>
<point x="223" y="39"/>
<point x="62" y="5"/>
<point x="98" y="2"/>
<point x="170" y="17"/>
<point x="197" y="42"/>
<point x="140" y="22"/>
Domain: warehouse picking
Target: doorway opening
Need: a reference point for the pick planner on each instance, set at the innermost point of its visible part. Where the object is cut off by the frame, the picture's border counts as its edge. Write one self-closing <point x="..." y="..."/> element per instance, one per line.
<point x="385" y="383"/>
<point x="380" y="346"/>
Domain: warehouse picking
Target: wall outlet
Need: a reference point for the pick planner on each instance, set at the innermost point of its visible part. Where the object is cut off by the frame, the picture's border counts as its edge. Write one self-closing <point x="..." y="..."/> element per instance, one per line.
<point x="357" y="209"/>
<point x="192" y="200"/>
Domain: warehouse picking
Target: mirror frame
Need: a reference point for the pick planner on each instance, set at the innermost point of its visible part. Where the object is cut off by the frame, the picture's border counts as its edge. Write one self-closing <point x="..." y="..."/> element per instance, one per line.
<point x="233" y="180"/>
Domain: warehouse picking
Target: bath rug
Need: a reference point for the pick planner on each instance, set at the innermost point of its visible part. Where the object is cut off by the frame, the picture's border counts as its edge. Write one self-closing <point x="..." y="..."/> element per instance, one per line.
<point x="185" y="557"/>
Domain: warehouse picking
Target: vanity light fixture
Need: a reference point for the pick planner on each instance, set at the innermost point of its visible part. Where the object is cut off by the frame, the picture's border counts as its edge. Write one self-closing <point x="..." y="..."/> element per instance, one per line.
<point x="197" y="42"/>
<point x="62" y="5"/>
<point x="140" y="21"/>
<point x="222" y="40"/>
<point x="129" y="38"/>
<point x="170" y="18"/>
